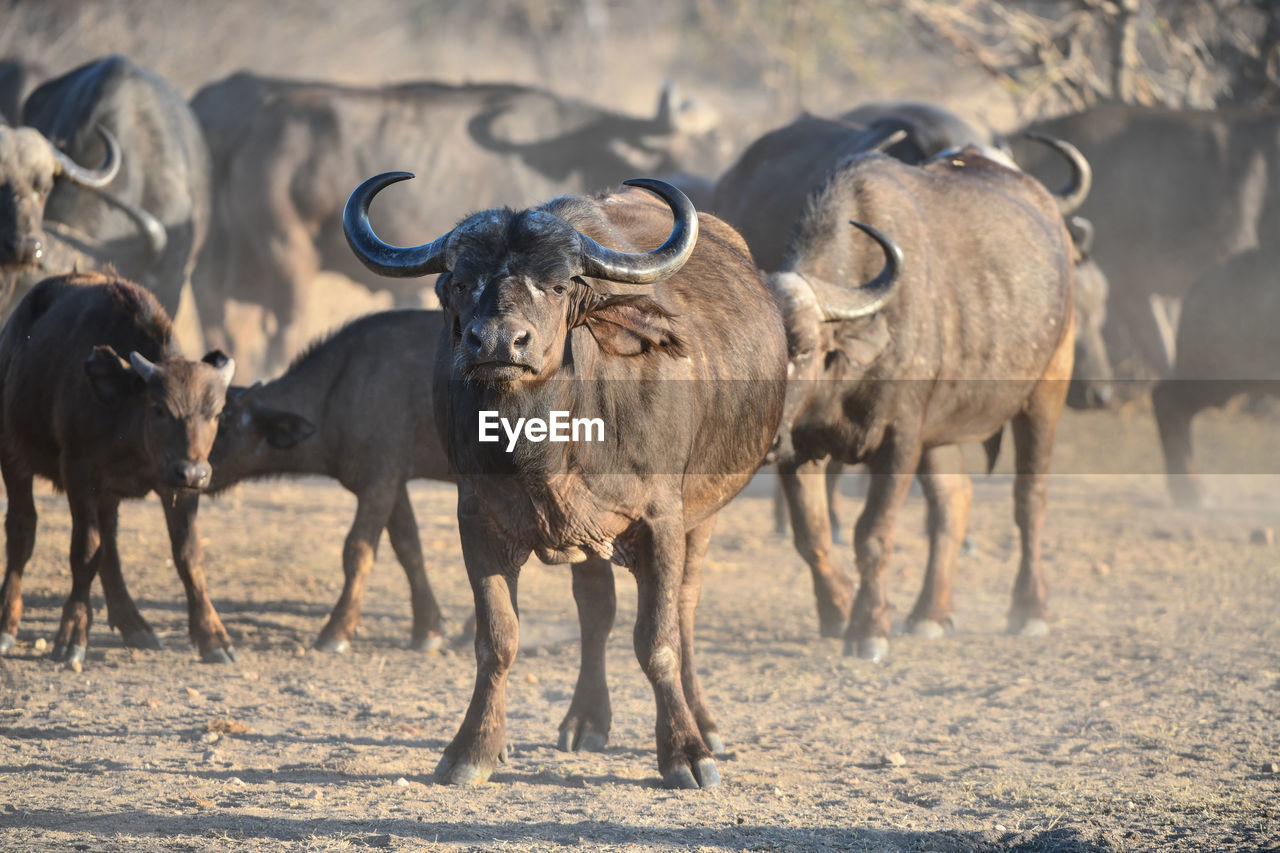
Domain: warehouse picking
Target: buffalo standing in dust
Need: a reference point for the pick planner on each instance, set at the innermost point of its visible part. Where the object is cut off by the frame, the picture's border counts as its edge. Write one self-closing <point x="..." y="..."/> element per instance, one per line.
<point x="1227" y="345"/>
<point x="356" y="407"/>
<point x="104" y="428"/>
<point x="968" y="327"/>
<point x="687" y="376"/>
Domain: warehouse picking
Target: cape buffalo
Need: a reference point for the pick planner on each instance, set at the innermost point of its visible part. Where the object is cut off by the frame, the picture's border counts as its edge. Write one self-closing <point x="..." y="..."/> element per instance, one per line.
<point x="281" y="147"/>
<point x="164" y="170"/>
<point x="341" y="410"/>
<point x="764" y="194"/>
<point x="1227" y="345"/>
<point x="1175" y="192"/>
<point x="685" y="378"/>
<point x="105" y="427"/>
<point x="968" y="327"/>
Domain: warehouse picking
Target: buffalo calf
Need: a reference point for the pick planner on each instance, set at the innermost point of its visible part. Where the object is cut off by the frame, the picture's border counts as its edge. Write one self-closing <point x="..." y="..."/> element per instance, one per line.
<point x="96" y="398"/>
<point x="355" y="407"/>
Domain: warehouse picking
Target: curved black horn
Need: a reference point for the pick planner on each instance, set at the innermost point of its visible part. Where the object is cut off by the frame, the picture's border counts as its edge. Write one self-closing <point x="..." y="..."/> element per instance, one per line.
<point x="92" y="178"/>
<point x="1073" y="193"/>
<point x="662" y="262"/>
<point x="383" y="258"/>
<point x="1081" y="231"/>
<point x="157" y="236"/>
<point x="870" y="297"/>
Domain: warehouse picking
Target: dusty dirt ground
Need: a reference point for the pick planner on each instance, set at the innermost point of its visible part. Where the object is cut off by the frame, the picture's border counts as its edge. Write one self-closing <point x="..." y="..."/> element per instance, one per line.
<point x="1147" y="720"/>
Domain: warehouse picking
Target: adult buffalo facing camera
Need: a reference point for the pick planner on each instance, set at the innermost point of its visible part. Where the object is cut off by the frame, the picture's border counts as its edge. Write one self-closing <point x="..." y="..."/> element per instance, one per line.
<point x="96" y="398"/>
<point x="967" y="328"/>
<point x="546" y="313"/>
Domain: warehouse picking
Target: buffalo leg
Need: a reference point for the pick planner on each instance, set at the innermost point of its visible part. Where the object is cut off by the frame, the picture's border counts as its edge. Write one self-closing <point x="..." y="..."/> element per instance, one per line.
<point x="869" y="623"/>
<point x="122" y="612"/>
<point x="683" y="757"/>
<point x="833" y="471"/>
<point x="184" y="541"/>
<point x="1176" y="402"/>
<point x="781" y="513"/>
<point x="72" y="639"/>
<point x="20" y="540"/>
<point x="1033" y="431"/>
<point x="695" y="551"/>
<point x="402" y="530"/>
<point x="586" y="726"/>
<point x="373" y="511"/>
<point x="804" y="487"/>
<point x="481" y="739"/>
<point x="948" y="493"/>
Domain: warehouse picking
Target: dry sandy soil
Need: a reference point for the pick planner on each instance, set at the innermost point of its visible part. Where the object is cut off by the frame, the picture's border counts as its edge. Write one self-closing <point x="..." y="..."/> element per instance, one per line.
<point x="1147" y="720"/>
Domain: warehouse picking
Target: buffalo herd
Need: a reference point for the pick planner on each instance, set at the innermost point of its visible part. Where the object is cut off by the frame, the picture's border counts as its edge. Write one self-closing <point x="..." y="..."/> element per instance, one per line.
<point x="609" y="365"/>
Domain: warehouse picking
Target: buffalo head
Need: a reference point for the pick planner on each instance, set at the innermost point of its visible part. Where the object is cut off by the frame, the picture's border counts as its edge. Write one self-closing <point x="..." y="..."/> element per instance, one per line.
<point x="177" y="402"/>
<point x="249" y="431"/>
<point x="29" y="165"/>
<point x="830" y="329"/>
<point x="515" y="283"/>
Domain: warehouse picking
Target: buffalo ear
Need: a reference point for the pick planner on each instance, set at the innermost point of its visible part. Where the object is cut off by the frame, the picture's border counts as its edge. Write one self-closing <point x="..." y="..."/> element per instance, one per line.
<point x="631" y="325"/>
<point x="110" y="376"/>
<point x="283" y="429"/>
<point x="221" y="362"/>
<point x="442" y="290"/>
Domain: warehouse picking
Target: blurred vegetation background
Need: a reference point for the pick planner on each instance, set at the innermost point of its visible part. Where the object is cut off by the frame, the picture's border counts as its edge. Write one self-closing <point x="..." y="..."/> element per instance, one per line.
<point x="756" y="63"/>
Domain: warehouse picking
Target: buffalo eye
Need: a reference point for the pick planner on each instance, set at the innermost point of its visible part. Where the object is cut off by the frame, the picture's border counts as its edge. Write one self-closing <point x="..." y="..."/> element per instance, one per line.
<point x="559" y="289"/>
<point x="158" y="411"/>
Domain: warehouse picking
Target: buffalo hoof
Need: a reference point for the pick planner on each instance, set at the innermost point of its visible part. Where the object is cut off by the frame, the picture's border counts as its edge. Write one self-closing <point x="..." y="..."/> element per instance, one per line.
<point x="143" y="638"/>
<point x="714" y="743"/>
<point x="67" y="654"/>
<point x="6" y="643"/>
<point x="874" y="649"/>
<point x="227" y="655"/>
<point x="928" y="629"/>
<point x="588" y="741"/>
<point x="333" y="646"/>
<point x="461" y="773"/>
<point x="703" y="774"/>
<point x="1030" y="628"/>
<point x="433" y="643"/>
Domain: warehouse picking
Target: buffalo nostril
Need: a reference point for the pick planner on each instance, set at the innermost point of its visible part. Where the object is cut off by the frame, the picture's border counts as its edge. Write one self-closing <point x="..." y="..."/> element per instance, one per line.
<point x="521" y="340"/>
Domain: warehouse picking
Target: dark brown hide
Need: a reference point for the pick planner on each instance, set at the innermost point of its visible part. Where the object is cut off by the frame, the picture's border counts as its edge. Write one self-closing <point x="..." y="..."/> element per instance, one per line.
<point x="97" y="399"/>
<point x="356" y="406"/>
